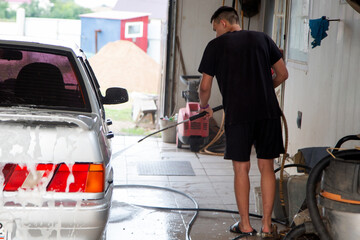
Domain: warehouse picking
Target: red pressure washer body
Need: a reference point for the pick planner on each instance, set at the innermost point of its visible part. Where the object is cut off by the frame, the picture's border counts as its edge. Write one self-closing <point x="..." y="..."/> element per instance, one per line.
<point x="196" y="132"/>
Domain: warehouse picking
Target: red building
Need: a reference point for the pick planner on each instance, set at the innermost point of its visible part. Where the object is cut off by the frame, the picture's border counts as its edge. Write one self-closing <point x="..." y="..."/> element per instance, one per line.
<point x="136" y="30"/>
<point x="98" y="29"/>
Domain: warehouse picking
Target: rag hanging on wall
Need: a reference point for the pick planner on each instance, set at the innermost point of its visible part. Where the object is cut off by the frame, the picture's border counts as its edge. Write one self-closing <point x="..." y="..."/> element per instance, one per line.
<point x="318" y="28"/>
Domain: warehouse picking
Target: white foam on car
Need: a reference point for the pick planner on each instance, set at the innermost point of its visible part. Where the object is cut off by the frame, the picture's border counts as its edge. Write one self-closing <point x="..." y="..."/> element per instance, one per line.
<point x="31" y="145"/>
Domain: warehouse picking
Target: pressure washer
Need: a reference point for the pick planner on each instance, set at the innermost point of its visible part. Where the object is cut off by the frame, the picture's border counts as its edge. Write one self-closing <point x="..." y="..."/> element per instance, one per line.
<point x="196" y="132"/>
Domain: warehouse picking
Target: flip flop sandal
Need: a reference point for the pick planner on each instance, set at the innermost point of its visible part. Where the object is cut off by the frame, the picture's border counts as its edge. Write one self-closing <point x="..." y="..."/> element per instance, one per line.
<point x="236" y="229"/>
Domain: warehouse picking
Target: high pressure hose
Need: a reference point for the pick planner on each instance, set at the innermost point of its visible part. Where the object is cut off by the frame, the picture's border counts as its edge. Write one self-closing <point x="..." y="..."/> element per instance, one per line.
<point x="292" y="165"/>
<point x="281" y="179"/>
<point x="196" y="209"/>
<point x="188" y="228"/>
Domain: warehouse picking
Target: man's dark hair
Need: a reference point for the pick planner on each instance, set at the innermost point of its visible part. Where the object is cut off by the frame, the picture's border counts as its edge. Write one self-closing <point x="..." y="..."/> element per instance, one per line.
<point x="227" y="13"/>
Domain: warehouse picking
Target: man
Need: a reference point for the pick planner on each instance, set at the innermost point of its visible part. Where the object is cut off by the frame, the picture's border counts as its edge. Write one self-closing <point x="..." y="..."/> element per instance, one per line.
<point x="242" y="61"/>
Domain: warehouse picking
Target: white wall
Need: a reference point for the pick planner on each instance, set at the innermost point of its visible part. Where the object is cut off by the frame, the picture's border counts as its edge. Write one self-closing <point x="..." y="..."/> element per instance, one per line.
<point x="155" y="31"/>
<point x="327" y="89"/>
<point x="59" y="29"/>
<point x="52" y="28"/>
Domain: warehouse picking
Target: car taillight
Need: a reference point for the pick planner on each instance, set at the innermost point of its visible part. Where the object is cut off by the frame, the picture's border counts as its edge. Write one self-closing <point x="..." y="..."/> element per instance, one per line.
<point x="81" y="178"/>
<point x="78" y="177"/>
<point x="17" y="176"/>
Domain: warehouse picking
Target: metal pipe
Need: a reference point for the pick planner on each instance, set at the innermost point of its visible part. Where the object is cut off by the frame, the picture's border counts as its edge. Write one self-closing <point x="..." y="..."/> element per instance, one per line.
<point x="170" y="58"/>
<point x="96" y="39"/>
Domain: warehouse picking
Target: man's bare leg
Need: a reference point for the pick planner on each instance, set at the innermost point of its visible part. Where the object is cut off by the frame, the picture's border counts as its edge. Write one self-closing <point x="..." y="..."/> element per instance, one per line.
<point x="268" y="181"/>
<point x="242" y="189"/>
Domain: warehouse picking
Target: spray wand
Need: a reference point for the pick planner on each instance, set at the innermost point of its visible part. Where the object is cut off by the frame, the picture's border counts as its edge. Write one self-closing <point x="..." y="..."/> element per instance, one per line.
<point x="192" y="118"/>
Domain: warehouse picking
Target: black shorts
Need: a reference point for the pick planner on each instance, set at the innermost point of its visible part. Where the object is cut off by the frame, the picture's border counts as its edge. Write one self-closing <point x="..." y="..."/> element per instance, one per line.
<point x="265" y="135"/>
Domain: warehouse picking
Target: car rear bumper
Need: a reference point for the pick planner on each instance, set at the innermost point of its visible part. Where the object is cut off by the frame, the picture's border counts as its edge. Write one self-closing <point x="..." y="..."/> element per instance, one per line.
<point x="65" y="219"/>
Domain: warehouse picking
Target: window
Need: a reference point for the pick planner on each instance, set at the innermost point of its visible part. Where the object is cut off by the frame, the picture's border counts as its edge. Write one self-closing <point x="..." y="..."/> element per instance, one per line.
<point x="39" y="79"/>
<point x="133" y="29"/>
<point x="299" y="30"/>
<point x="279" y="23"/>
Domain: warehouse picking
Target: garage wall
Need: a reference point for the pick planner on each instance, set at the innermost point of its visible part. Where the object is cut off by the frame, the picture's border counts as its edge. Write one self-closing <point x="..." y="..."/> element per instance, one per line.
<point x="195" y="31"/>
<point x="326" y="89"/>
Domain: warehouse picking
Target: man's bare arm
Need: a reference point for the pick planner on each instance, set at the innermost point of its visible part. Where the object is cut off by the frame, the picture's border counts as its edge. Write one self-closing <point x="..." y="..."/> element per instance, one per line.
<point x="281" y="72"/>
<point x="205" y="92"/>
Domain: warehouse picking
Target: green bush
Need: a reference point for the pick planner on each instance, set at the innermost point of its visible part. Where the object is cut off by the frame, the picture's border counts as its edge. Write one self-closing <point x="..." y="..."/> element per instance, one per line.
<point x="119" y="114"/>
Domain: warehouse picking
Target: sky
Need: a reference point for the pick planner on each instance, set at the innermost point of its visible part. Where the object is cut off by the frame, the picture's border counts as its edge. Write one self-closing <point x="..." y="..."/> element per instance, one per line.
<point x="96" y="3"/>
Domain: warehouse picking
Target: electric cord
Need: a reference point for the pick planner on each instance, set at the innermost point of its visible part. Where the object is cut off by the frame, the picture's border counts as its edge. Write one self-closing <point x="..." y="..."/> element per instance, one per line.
<point x="196" y="209"/>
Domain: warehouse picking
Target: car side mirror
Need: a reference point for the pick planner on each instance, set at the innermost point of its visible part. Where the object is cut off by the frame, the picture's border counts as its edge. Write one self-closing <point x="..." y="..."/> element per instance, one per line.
<point x="115" y="95"/>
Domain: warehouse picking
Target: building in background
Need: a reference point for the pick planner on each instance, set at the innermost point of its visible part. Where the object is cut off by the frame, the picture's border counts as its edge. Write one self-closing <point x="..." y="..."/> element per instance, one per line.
<point x="157" y="31"/>
<point x="98" y="29"/>
<point x="157" y="8"/>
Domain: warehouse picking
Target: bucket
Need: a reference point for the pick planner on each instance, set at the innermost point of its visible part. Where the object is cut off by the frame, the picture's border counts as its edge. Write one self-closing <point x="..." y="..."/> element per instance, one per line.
<point x="168" y="135"/>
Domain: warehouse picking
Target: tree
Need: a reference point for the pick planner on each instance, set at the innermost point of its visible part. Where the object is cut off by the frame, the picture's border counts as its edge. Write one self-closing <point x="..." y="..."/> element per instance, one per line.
<point x="5" y="11"/>
<point x="33" y="9"/>
<point x="67" y="9"/>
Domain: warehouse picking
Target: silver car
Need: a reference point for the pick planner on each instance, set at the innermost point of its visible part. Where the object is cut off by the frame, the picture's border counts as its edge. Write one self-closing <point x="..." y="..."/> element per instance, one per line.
<point x="55" y="147"/>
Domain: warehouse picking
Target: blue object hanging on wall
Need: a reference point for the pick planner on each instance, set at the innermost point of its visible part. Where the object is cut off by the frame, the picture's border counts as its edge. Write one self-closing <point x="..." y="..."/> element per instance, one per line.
<point x="318" y="29"/>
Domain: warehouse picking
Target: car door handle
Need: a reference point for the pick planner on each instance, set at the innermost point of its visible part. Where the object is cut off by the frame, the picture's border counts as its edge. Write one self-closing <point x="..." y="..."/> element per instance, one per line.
<point x="109" y="135"/>
<point x="109" y="122"/>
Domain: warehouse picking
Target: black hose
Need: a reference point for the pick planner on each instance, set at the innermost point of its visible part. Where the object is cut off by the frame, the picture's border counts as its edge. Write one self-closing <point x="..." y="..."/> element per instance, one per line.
<point x="344" y="139"/>
<point x="206" y="210"/>
<point x="191" y="223"/>
<point x="293" y="165"/>
<point x="196" y="209"/>
<point x="314" y="178"/>
<point x="295" y="232"/>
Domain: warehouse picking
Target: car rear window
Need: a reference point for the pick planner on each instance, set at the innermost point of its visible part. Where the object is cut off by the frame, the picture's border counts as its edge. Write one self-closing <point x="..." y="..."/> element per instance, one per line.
<point x="39" y="79"/>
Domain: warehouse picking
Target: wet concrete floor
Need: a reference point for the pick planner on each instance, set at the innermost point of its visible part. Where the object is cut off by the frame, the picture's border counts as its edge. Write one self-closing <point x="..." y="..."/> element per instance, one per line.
<point x="211" y="187"/>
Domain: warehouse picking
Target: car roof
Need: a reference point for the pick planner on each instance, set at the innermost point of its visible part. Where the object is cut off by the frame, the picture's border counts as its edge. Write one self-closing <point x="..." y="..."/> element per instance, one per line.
<point x="42" y="43"/>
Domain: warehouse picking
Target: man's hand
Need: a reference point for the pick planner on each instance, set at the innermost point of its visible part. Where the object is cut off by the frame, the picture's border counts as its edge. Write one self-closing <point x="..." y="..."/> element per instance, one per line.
<point x="204" y="94"/>
<point x="207" y="109"/>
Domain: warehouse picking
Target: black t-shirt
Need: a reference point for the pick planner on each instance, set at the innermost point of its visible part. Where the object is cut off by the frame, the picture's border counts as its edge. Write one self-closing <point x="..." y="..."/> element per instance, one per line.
<point x="241" y="62"/>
